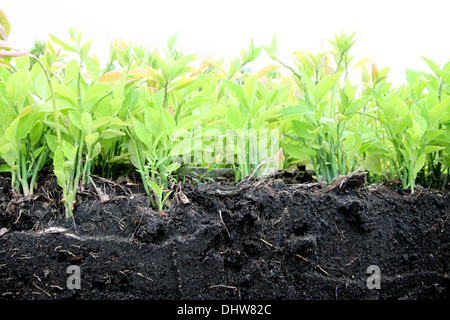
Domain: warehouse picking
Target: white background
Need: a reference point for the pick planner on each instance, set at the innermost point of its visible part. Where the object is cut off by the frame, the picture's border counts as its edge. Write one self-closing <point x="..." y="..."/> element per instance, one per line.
<point x="396" y="33"/>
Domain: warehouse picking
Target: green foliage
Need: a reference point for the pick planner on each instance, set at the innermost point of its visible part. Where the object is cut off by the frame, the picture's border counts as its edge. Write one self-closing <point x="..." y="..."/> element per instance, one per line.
<point x="161" y="114"/>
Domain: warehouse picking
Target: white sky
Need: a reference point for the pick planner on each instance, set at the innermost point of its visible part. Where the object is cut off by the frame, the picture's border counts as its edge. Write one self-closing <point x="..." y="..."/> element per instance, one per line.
<point x="395" y="32"/>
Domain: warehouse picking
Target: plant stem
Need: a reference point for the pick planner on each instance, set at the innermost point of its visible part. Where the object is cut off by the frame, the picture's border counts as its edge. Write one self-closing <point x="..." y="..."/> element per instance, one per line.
<point x="23" y="175"/>
<point x="166" y="95"/>
<point x="37" y="168"/>
<point x="52" y="94"/>
<point x="139" y="162"/>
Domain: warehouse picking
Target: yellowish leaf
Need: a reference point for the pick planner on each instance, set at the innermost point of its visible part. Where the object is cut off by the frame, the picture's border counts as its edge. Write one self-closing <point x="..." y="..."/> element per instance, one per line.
<point x="362" y="61"/>
<point x="313" y="58"/>
<point x="156" y="75"/>
<point x="111" y="77"/>
<point x="299" y="53"/>
<point x="217" y="66"/>
<point x="182" y="83"/>
<point x="374" y="72"/>
<point x="121" y="45"/>
<point x="267" y="69"/>
<point x="220" y="75"/>
<point x="140" y="73"/>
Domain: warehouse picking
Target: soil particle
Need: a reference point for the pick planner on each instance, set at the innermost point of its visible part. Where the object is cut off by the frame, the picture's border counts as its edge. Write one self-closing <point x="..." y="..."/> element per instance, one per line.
<point x="267" y="240"/>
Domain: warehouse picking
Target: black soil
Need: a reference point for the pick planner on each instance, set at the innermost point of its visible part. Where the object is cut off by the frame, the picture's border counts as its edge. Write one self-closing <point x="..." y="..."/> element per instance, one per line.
<point x="262" y="240"/>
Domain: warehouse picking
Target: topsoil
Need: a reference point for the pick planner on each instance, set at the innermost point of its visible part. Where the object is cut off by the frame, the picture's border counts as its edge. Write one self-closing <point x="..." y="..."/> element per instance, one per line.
<point x="261" y="239"/>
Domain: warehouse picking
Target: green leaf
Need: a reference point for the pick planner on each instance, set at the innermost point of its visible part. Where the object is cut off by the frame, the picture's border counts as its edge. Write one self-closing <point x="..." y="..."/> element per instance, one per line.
<point x="38" y="151"/>
<point x="419" y="125"/>
<point x="372" y="163"/>
<point x="169" y="121"/>
<point x="302" y="108"/>
<point x="64" y="45"/>
<point x="255" y="109"/>
<point x="17" y="87"/>
<point x="93" y="67"/>
<point x="41" y="86"/>
<point x="235" y="119"/>
<point x="86" y="121"/>
<point x="71" y="70"/>
<point x="172" y="167"/>
<point x="430" y="149"/>
<point x="420" y="162"/>
<point x="156" y="189"/>
<point x="302" y="128"/>
<point x="5" y="24"/>
<point x="10" y="132"/>
<point x="119" y="87"/>
<point x="96" y="150"/>
<point x="26" y="120"/>
<point x="153" y="121"/>
<point x="294" y="151"/>
<point x="95" y="92"/>
<point x="265" y="70"/>
<point x="362" y="61"/>
<point x="5" y="168"/>
<point x="172" y="40"/>
<point x="141" y="131"/>
<point x="36" y="132"/>
<point x="61" y="105"/>
<point x="349" y="90"/>
<point x="438" y="111"/>
<point x="67" y="149"/>
<point x="84" y="51"/>
<point x="100" y="122"/>
<point x="250" y="89"/>
<point x="22" y="63"/>
<point x="238" y="93"/>
<point x="188" y="122"/>
<point x="61" y="177"/>
<point x="64" y="92"/>
<point x="116" y="105"/>
<point x="166" y="196"/>
<point x="433" y="66"/>
<point x="324" y="85"/>
<point x="401" y="108"/>
<point x="51" y="142"/>
<point x="182" y="83"/>
<point x="75" y="118"/>
<point x="58" y="158"/>
<point x="399" y="125"/>
<point x="91" y="138"/>
<point x="343" y="99"/>
<point x="164" y="69"/>
<point x="180" y="67"/>
<point x="111" y="133"/>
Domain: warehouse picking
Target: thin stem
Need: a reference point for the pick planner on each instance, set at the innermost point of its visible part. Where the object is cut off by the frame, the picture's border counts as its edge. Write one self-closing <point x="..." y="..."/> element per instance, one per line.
<point x="139" y="162"/>
<point x="37" y="168"/>
<point x="52" y="94"/>
<point x="23" y="175"/>
<point x="166" y="95"/>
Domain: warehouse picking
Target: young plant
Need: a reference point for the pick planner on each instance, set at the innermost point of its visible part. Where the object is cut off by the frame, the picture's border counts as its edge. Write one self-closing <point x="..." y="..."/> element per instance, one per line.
<point x="435" y="109"/>
<point x="23" y="96"/>
<point x="152" y="138"/>
<point x="162" y="178"/>
<point x="409" y="135"/>
<point x="86" y="126"/>
<point x="250" y="137"/>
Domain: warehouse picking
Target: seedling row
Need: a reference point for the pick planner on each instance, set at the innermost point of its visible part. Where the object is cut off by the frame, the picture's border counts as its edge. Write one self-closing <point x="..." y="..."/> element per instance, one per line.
<point x="163" y="111"/>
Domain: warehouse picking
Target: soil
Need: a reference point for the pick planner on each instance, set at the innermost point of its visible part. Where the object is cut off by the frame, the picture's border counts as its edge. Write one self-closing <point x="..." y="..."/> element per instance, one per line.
<point x="260" y="240"/>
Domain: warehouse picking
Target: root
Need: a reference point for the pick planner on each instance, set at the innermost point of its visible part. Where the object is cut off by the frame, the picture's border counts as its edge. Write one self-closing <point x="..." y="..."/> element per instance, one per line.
<point x="353" y="180"/>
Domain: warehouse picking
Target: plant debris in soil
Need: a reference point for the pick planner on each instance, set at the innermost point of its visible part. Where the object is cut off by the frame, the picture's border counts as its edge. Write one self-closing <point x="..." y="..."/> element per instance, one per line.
<point x="261" y="239"/>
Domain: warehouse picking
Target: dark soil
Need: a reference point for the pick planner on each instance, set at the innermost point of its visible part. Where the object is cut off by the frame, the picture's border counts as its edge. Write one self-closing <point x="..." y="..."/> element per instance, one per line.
<point x="262" y="240"/>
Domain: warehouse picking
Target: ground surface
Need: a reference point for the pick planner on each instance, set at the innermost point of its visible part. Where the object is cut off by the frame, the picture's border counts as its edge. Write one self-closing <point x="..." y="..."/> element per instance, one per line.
<point x="262" y="240"/>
